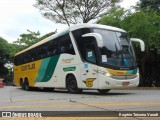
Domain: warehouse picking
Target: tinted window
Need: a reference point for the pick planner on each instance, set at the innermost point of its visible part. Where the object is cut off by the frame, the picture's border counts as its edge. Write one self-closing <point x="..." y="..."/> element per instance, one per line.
<point x="109" y="39"/>
<point x="80" y="40"/>
<point x="52" y="47"/>
<point x="42" y="50"/>
<point x="16" y="60"/>
<point x="90" y="54"/>
<point x="66" y="45"/>
<point x="33" y="55"/>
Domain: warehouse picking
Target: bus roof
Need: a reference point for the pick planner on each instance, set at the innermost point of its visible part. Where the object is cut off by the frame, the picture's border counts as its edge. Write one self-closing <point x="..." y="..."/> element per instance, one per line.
<point x="71" y="28"/>
<point x="86" y="25"/>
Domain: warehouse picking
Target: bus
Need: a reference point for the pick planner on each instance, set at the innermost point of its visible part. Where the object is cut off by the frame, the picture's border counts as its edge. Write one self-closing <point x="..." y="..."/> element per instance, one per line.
<point x="81" y="57"/>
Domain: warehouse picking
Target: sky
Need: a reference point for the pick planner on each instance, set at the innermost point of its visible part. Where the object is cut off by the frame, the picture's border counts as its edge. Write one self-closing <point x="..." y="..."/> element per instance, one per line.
<point x="16" y="16"/>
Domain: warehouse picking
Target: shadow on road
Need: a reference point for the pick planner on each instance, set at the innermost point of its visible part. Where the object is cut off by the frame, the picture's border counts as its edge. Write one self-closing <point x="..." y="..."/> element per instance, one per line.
<point x="85" y="92"/>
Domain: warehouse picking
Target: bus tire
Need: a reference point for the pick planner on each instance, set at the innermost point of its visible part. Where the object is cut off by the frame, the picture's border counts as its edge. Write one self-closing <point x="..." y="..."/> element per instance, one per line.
<point x="26" y="85"/>
<point x="103" y="91"/>
<point x="72" y="85"/>
<point x="22" y="84"/>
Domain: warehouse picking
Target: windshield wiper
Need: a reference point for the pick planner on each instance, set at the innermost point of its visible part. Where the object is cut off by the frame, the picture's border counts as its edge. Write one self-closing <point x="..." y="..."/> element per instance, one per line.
<point x="119" y="51"/>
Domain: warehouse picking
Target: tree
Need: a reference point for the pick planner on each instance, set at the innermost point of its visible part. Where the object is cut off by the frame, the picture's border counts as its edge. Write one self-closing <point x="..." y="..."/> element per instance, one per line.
<point x="7" y="51"/>
<point x="144" y="25"/>
<point x="28" y="39"/>
<point x="114" y="17"/>
<point x="4" y="56"/>
<point x="3" y="70"/>
<point x="73" y="11"/>
<point x="152" y="4"/>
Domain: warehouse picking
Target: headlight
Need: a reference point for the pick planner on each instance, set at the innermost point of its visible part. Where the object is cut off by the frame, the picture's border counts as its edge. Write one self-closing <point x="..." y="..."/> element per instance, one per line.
<point x="108" y="74"/>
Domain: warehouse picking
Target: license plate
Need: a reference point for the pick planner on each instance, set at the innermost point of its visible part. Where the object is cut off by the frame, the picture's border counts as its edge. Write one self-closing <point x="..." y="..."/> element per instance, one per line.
<point x="125" y="83"/>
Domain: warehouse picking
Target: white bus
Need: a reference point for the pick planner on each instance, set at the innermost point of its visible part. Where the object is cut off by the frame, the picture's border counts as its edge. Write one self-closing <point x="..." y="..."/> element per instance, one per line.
<point x="87" y="56"/>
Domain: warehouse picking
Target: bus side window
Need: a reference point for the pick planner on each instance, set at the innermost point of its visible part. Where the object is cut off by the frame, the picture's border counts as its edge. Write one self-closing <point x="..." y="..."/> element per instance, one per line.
<point x="21" y="59"/>
<point x="42" y="52"/>
<point x="29" y="56"/>
<point x="25" y="58"/>
<point x="71" y="49"/>
<point x="63" y="49"/>
<point x="52" y="48"/>
<point x="66" y="45"/>
<point x="33" y="54"/>
<point x="16" y="60"/>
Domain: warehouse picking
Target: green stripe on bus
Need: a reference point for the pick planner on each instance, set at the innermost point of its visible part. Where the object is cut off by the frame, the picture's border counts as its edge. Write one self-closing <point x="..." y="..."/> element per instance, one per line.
<point x="47" y="69"/>
<point x="69" y="69"/>
<point x="51" y="68"/>
<point x="42" y="69"/>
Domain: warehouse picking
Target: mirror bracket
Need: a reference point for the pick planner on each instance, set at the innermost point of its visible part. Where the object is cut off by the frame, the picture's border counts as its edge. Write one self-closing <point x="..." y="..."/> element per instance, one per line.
<point x="97" y="36"/>
<point x="142" y="45"/>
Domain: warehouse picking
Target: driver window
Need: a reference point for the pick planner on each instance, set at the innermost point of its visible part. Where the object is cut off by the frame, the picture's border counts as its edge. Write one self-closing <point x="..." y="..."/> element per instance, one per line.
<point x="90" y="54"/>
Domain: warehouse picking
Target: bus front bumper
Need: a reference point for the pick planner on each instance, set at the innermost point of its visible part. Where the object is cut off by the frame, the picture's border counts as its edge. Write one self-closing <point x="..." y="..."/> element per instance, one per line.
<point x="110" y="83"/>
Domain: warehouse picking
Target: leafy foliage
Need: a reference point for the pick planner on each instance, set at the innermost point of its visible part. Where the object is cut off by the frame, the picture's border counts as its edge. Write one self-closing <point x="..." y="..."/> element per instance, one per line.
<point x="3" y="70"/>
<point x="27" y="39"/>
<point x="4" y="56"/>
<point x="116" y="14"/>
<point x="144" y="25"/>
<point x="73" y="11"/>
<point x="30" y="38"/>
<point x="3" y="50"/>
<point x="150" y="4"/>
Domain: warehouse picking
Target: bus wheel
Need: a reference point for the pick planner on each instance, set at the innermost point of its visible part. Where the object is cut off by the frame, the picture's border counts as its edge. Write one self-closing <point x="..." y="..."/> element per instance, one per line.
<point x="103" y="91"/>
<point x="72" y="85"/>
<point x="26" y="85"/>
<point x="21" y="84"/>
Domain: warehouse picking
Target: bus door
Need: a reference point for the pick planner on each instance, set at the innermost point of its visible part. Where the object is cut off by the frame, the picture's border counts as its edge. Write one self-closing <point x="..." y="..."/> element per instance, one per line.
<point x="89" y="67"/>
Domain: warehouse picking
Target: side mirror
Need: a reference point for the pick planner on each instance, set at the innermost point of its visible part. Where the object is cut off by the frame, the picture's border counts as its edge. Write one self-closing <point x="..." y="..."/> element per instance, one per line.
<point x="140" y="41"/>
<point x="97" y="36"/>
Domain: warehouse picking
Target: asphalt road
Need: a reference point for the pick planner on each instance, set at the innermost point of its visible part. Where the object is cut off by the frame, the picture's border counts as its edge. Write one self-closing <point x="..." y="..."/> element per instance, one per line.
<point x="16" y="99"/>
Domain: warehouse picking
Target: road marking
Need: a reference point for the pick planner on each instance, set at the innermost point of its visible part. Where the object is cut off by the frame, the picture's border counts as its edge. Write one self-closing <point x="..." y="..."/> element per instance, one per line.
<point x="84" y="105"/>
<point x="29" y="100"/>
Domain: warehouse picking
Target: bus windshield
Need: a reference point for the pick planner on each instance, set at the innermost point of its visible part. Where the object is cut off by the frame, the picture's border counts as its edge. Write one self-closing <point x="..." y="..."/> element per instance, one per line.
<point x="117" y="50"/>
